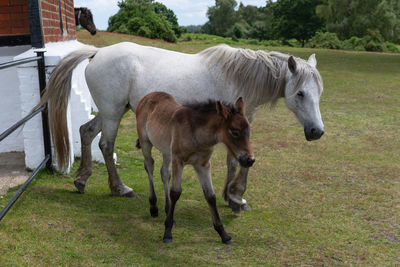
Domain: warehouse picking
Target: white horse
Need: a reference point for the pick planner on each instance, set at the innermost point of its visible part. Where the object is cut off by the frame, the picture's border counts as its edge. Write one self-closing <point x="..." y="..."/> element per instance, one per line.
<point x="118" y="76"/>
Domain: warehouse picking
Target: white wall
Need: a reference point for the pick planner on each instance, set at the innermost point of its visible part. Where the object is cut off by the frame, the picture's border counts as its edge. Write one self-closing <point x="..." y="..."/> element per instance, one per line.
<point x="10" y="104"/>
<point x="79" y="108"/>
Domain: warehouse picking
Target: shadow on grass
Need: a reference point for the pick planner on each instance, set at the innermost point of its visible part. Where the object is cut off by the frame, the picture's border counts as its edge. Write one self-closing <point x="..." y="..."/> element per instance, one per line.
<point x="112" y="214"/>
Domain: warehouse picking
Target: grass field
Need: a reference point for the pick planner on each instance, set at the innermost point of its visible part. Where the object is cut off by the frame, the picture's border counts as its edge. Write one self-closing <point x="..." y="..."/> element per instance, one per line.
<point x="332" y="202"/>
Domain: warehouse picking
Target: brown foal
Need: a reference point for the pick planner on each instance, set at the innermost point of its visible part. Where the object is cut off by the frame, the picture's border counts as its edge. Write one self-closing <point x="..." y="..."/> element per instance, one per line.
<point x="187" y="135"/>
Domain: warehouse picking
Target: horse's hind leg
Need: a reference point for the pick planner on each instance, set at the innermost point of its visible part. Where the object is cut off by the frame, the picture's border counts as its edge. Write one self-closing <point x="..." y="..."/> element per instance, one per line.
<point x="107" y="141"/>
<point x="87" y="131"/>
<point x="204" y="175"/>
<point x="149" y="166"/>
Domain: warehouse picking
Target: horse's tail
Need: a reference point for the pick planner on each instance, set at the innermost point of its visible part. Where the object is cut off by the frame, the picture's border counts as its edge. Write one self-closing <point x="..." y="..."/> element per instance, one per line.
<point x="57" y="93"/>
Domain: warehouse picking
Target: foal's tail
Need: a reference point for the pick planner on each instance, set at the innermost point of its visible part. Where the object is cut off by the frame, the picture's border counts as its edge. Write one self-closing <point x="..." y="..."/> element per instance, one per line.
<point x="57" y="93"/>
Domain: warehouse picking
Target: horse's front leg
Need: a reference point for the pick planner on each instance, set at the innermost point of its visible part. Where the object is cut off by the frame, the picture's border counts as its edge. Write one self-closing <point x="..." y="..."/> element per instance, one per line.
<point x="204" y="176"/>
<point x="107" y="140"/>
<point x="235" y="185"/>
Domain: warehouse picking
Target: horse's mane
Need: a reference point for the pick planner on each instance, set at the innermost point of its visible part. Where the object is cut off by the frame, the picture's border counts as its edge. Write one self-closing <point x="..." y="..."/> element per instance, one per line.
<point x="260" y="76"/>
<point x="209" y="105"/>
<point x="84" y="10"/>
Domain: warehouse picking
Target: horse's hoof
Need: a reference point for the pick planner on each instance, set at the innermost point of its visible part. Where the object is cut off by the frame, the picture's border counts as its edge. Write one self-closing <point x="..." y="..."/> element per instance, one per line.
<point x="234" y="206"/>
<point x="154" y="212"/>
<point x="167" y="240"/>
<point x="130" y="194"/>
<point x="245" y="207"/>
<point x="79" y="186"/>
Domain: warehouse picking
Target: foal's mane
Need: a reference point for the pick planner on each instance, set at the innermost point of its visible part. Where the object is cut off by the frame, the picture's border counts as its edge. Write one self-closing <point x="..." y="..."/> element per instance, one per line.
<point x="209" y="105"/>
<point x="259" y="76"/>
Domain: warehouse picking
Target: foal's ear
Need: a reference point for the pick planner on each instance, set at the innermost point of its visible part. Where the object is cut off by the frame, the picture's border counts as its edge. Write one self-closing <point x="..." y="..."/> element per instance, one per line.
<point x="240" y="106"/>
<point x="222" y="110"/>
<point x="292" y="64"/>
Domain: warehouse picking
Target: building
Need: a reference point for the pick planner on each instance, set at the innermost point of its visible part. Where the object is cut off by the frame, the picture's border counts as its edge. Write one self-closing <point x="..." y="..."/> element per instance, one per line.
<point x="27" y="25"/>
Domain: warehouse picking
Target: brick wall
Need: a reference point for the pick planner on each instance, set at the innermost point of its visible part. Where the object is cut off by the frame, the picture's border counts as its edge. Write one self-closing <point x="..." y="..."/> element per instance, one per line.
<point x="14" y="17"/>
<point x="52" y="31"/>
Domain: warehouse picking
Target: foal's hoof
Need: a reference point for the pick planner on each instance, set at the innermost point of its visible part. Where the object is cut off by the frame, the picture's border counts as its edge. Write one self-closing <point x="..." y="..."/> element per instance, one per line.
<point x="130" y="194"/>
<point x="154" y="212"/>
<point x="234" y="206"/>
<point x="167" y="240"/>
<point x="79" y="186"/>
<point x="227" y="242"/>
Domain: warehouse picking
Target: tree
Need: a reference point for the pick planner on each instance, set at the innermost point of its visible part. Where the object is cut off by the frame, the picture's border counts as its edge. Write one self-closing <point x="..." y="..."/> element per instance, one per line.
<point x="170" y="16"/>
<point x="359" y="18"/>
<point x="296" y="19"/>
<point x="138" y="17"/>
<point x="255" y="21"/>
<point x="221" y="17"/>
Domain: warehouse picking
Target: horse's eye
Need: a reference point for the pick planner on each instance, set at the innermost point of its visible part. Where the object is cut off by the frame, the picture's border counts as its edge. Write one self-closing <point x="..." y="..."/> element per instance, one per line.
<point x="234" y="133"/>
<point x="300" y="93"/>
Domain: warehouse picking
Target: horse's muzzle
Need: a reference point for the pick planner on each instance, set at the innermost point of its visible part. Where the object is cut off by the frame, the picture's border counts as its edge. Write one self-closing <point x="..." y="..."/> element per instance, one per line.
<point x="93" y="32"/>
<point x="246" y="161"/>
<point x="313" y="133"/>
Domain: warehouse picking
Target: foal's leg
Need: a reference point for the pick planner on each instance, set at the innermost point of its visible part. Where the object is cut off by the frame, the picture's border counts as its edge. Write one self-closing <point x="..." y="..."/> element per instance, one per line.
<point x="204" y="176"/>
<point x="166" y="176"/>
<point x="87" y="131"/>
<point x="149" y="166"/>
<point x="235" y="185"/>
<point x="108" y="135"/>
<point x="175" y="193"/>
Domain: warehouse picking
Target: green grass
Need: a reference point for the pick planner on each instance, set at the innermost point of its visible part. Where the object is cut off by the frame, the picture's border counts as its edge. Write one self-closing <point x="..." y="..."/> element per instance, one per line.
<point x="332" y="202"/>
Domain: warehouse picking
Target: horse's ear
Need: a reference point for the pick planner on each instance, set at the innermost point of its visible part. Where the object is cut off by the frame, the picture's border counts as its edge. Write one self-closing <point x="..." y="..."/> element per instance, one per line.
<point x="312" y="60"/>
<point x="222" y="110"/>
<point x="292" y="64"/>
<point x="240" y="106"/>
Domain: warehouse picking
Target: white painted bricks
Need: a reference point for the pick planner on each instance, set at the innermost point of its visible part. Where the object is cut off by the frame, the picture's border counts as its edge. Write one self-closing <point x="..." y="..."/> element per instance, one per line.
<point x="10" y="103"/>
<point x="79" y="108"/>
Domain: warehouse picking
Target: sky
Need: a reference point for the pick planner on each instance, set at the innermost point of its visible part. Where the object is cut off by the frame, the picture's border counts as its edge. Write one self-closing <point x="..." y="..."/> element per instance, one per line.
<point x="189" y="12"/>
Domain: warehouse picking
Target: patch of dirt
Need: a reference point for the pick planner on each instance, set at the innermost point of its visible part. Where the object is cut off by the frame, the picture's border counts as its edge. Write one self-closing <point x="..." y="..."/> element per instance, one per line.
<point x="388" y="237"/>
<point x="12" y="170"/>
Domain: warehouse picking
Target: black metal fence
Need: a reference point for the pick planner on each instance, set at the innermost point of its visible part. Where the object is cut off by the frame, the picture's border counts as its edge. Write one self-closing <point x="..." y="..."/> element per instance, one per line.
<point x="46" y="132"/>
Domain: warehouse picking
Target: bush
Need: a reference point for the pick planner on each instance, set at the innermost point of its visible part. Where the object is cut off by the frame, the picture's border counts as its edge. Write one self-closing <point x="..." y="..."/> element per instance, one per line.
<point x="293" y="43"/>
<point x="354" y="43"/>
<point x="325" y="40"/>
<point x="144" y="31"/>
<point x="235" y="39"/>
<point x="370" y="42"/>
<point x="373" y="41"/>
<point x="253" y="42"/>
<point x="139" y="18"/>
<point x="392" y="47"/>
<point x="375" y="47"/>
<point x="271" y="43"/>
<point x="122" y="29"/>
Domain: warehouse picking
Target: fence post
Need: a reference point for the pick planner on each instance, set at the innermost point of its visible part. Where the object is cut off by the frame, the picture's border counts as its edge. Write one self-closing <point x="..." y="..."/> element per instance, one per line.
<point x="45" y="118"/>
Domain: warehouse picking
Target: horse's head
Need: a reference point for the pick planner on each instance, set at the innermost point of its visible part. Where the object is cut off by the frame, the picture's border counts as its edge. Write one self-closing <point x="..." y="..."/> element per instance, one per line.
<point x="235" y="132"/>
<point x="84" y="18"/>
<point x="302" y="93"/>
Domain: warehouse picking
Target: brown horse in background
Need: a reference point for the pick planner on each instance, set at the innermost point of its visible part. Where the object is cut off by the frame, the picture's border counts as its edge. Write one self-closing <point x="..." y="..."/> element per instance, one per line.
<point x="187" y="135"/>
<point x="84" y="18"/>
